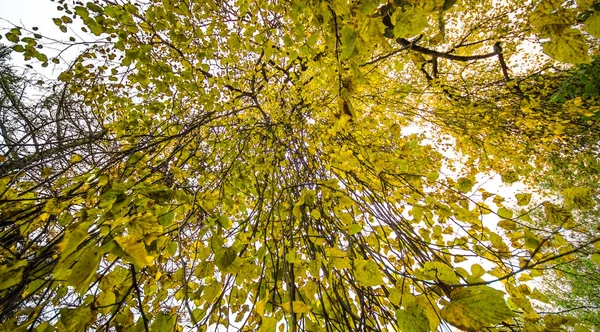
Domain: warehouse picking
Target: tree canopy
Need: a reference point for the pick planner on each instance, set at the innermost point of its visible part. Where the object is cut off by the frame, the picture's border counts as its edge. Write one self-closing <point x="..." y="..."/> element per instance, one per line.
<point x="306" y="165"/>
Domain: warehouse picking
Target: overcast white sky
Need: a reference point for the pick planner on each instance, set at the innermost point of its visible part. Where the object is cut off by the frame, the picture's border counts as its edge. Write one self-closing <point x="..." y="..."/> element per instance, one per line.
<point x="28" y="14"/>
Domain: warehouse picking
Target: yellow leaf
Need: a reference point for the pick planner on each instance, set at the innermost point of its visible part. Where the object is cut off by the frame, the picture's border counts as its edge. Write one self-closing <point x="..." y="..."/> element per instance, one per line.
<point x="260" y="305"/>
<point x="592" y="25"/>
<point x="537" y="295"/>
<point x="596" y="259"/>
<point x="298" y="307"/>
<point x="523" y="199"/>
<point x="431" y="311"/>
<point x="568" y="46"/>
<point x="315" y="214"/>
<point x="269" y="324"/>
<point x="440" y="271"/>
<point x="74" y="236"/>
<point x="396" y="130"/>
<point x="367" y="272"/>
<point x="477" y="271"/>
<point x="408" y="22"/>
<point x="473" y="308"/>
<point x="135" y="251"/>
<point x="76" y="158"/>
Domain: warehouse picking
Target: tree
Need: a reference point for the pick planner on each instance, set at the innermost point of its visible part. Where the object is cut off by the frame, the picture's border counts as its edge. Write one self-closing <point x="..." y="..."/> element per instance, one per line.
<point x="249" y="165"/>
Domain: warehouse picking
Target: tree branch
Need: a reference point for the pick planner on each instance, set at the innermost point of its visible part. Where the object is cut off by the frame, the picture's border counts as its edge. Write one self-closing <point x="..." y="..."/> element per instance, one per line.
<point x="404" y="42"/>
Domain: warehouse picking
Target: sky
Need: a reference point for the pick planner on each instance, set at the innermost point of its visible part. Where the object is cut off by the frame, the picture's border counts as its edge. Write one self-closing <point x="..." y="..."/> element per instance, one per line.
<point x="34" y="13"/>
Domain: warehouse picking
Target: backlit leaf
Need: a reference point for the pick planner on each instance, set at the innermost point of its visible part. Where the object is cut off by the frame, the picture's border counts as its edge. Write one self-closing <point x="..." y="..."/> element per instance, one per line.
<point x="367" y="272"/>
<point x="569" y="46"/>
<point x="473" y="308"/>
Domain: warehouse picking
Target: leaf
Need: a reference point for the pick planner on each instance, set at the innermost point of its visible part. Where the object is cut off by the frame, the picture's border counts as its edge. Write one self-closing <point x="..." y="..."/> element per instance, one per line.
<point x="164" y="322"/>
<point x="537" y="295"/>
<point x="473" y="308"/>
<point x="431" y="310"/>
<point x="74" y="236"/>
<point x="134" y="251"/>
<point x="298" y="307"/>
<point x="94" y="7"/>
<point x="440" y="271"/>
<point x="505" y="213"/>
<point x="224" y="257"/>
<point x="449" y="3"/>
<point x="569" y="46"/>
<point x="268" y="324"/>
<point x="412" y="318"/>
<point x="592" y="25"/>
<point x="523" y="199"/>
<point x="477" y="271"/>
<point x="46" y="172"/>
<point x="74" y="320"/>
<point x="349" y="36"/>
<point x="260" y="305"/>
<point x="579" y="198"/>
<point x="18" y="48"/>
<point x="84" y="268"/>
<point x="408" y="22"/>
<point x="315" y="214"/>
<point x="105" y="300"/>
<point x="11" y="274"/>
<point x="596" y="259"/>
<point x="464" y="185"/>
<point x="367" y="272"/>
<point x="354" y="229"/>
<point x="76" y="158"/>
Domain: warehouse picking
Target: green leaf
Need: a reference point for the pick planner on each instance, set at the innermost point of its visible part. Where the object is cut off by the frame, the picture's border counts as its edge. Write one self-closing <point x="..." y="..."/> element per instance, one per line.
<point x="315" y="214"/>
<point x="464" y="185"/>
<point x="82" y="12"/>
<point x="11" y="274"/>
<point x="537" y="295"/>
<point x="94" y="7"/>
<point x="85" y="268"/>
<point x="354" y="229"/>
<point x="408" y="22"/>
<point x="74" y="236"/>
<point x="73" y="320"/>
<point x="76" y="158"/>
<point x="18" y="48"/>
<point x="449" y="3"/>
<point x="268" y="324"/>
<point x="473" y="308"/>
<point x="164" y="322"/>
<point x="224" y="257"/>
<point x="349" y="36"/>
<point x="477" y="271"/>
<point x="412" y="319"/>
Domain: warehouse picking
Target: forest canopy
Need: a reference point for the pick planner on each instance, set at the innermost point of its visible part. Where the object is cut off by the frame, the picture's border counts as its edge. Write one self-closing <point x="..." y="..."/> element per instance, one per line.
<point x="306" y="165"/>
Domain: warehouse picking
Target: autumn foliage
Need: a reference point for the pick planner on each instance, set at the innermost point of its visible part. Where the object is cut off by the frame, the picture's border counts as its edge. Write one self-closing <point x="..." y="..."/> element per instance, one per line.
<point x="301" y="165"/>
